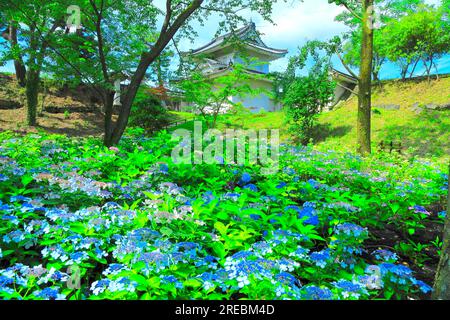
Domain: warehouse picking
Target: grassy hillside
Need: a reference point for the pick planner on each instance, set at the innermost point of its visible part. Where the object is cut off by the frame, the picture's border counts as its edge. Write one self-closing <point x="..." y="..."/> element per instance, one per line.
<point x="58" y="99"/>
<point x="423" y="134"/>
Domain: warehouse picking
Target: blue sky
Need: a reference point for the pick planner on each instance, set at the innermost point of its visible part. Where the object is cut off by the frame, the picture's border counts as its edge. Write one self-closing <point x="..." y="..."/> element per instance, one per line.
<point x="295" y="23"/>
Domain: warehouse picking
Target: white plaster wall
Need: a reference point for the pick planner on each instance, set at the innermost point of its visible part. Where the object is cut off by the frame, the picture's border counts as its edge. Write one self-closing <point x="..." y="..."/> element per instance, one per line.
<point x="260" y="102"/>
<point x="258" y="64"/>
<point x="226" y="59"/>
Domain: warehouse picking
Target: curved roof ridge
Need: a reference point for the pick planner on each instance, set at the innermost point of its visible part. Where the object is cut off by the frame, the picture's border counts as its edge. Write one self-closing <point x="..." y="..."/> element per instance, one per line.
<point x="240" y="33"/>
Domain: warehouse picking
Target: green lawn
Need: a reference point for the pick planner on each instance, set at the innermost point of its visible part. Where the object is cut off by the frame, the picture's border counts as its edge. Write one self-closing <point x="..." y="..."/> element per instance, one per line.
<point x="425" y="134"/>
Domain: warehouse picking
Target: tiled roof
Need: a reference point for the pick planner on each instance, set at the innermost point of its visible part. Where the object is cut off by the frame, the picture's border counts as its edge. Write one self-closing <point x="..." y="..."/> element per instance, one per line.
<point x="247" y="34"/>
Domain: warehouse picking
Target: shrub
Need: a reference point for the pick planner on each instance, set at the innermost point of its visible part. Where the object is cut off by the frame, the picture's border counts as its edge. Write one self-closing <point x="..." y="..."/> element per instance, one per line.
<point x="148" y="113"/>
<point x="304" y="100"/>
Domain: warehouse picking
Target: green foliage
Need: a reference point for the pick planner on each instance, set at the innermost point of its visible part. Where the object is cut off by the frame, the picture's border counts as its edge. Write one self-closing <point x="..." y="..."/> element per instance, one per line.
<point x="304" y="101"/>
<point x="138" y="226"/>
<point x="419" y="36"/>
<point x="352" y="51"/>
<point x="148" y="113"/>
<point x="36" y="24"/>
<point x="210" y="95"/>
<point x="307" y="96"/>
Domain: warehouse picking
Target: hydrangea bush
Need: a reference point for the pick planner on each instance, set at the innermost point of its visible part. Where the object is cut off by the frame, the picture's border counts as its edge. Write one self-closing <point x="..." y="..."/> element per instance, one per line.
<point x="81" y="221"/>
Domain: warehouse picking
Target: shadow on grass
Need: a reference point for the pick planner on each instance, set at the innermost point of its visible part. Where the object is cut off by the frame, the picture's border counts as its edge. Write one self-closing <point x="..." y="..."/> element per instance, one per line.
<point x="85" y="124"/>
<point x="427" y="135"/>
<point x="321" y="132"/>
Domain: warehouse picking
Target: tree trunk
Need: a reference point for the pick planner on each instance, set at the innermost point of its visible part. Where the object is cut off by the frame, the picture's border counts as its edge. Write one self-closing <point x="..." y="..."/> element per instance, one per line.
<point x="375" y="76"/>
<point x="20" y="72"/>
<point x="127" y="103"/>
<point x="159" y="73"/>
<point x="18" y="62"/>
<point x="109" y="105"/>
<point x="10" y="35"/>
<point x="32" y="91"/>
<point x="365" y="81"/>
<point x="403" y="74"/>
<point x="442" y="283"/>
<point x="167" y="33"/>
<point x="411" y="75"/>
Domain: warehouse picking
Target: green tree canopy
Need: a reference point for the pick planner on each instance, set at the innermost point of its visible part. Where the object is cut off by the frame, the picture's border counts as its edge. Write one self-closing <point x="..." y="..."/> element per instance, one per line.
<point x="419" y="36"/>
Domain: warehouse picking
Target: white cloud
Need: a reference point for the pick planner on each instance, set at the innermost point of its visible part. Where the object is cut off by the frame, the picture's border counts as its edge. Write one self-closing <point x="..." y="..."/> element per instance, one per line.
<point x="295" y="23"/>
<point x="299" y="22"/>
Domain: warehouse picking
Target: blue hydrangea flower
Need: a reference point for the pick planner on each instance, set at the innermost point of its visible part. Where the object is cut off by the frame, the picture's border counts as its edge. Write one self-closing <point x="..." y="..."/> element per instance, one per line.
<point x="242" y="281"/>
<point x="419" y="209"/>
<point x="321" y="258"/>
<point x="12" y="219"/>
<point x="208" y="261"/>
<point x="351" y="229"/>
<point x="78" y="257"/>
<point x="262" y="248"/>
<point x="14" y="236"/>
<point x="307" y="212"/>
<point x="114" y="269"/>
<point x="423" y="286"/>
<point x="281" y="185"/>
<point x="255" y="217"/>
<point x="100" y="286"/>
<point x="49" y="294"/>
<point x="288" y="279"/>
<point x="289" y="171"/>
<point x="5" y="281"/>
<point x="172" y="280"/>
<point x="232" y="196"/>
<point x="300" y="253"/>
<point x="314" y="183"/>
<point x="164" y="168"/>
<point x="372" y="281"/>
<point x="316" y="293"/>
<point x="311" y="216"/>
<point x="350" y="289"/>
<point x="208" y="279"/>
<point x="396" y="273"/>
<point x="246" y="178"/>
<point x="251" y="187"/>
<point x="385" y="255"/>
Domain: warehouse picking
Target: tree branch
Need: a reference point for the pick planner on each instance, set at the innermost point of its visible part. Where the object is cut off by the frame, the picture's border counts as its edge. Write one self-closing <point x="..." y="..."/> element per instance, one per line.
<point x="98" y="31"/>
<point x="346" y="66"/>
<point x="144" y="63"/>
<point x="352" y="12"/>
<point x="348" y="89"/>
<point x="166" y="23"/>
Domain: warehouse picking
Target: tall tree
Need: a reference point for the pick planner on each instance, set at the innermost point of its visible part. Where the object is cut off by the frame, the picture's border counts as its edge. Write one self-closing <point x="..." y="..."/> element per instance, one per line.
<point x="366" y="16"/>
<point x="13" y="51"/>
<point x="101" y="18"/>
<point x="160" y="69"/>
<point x="37" y="22"/>
<point x="442" y="283"/>
<point x="306" y="96"/>
<point x="352" y="52"/>
<point x="387" y="11"/>
<point x="421" y="36"/>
